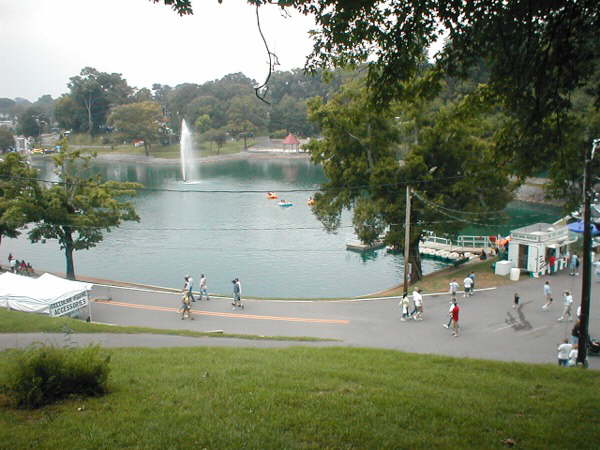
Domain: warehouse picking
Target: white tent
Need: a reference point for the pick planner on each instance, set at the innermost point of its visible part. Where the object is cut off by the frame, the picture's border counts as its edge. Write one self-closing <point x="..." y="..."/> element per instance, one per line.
<point x="47" y="294"/>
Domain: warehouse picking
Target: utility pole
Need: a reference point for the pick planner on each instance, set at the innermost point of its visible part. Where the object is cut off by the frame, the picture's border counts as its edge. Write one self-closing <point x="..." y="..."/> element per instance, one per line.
<point x="406" y="241"/>
<point x="586" y="279"/>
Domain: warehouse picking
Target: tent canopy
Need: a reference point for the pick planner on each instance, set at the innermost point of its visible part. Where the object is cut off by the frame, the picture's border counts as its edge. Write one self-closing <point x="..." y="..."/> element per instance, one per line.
<point x="47" y="294"/>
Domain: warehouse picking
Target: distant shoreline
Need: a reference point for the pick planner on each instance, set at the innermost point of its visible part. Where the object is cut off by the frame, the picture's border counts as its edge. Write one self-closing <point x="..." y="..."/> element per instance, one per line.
<point x="151" y="160"/>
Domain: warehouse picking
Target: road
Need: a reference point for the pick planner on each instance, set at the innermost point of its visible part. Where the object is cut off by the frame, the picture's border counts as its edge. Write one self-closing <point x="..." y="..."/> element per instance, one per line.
<point x="490" y="327"/>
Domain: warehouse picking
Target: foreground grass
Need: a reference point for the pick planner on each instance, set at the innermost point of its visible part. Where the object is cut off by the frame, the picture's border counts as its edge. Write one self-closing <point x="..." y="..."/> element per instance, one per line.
<point x="21" y="322"/>
<point x="315" y="398"/>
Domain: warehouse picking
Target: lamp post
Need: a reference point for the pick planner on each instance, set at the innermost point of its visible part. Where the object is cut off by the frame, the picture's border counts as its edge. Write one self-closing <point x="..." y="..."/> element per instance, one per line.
<point x="586" y="279"/>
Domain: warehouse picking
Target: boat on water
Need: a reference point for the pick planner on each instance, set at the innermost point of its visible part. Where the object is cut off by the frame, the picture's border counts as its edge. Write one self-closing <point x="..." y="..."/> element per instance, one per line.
<point x="310" y="202"/>
<point x="272" y="195"/>
<point x="285" y="204"/>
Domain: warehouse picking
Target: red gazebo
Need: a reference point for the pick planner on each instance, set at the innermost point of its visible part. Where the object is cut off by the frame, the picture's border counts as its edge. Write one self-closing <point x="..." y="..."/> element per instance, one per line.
<point x="291" y="140"/>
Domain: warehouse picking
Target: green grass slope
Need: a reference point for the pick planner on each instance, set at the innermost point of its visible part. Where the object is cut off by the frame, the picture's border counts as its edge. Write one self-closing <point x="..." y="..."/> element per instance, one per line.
<point x="315" y="398"/>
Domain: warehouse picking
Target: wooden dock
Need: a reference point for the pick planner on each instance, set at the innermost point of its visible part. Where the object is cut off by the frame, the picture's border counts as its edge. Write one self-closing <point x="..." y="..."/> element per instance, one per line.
<point x="358" y="246"/>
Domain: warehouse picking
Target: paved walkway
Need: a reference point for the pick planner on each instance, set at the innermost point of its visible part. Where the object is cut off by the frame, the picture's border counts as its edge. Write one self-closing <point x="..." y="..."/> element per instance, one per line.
<point x="490" y="327"/>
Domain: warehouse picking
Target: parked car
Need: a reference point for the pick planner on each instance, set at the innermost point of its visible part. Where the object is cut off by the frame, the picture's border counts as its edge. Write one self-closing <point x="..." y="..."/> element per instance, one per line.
<point x="49" y="150"/>
<point x="37" y="151"/>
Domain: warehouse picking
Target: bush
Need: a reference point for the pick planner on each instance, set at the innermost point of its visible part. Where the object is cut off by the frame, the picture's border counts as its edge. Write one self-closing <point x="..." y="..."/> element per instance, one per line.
<point x="44" y="374"/>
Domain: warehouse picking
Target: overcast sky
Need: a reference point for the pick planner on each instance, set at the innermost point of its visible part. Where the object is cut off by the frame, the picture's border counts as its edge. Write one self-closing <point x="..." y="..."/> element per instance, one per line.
<point x="45" y="42"/>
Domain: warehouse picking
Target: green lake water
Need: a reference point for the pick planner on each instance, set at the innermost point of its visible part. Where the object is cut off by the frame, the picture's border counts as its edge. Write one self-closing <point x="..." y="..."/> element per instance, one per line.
<point x="215" y="226"/>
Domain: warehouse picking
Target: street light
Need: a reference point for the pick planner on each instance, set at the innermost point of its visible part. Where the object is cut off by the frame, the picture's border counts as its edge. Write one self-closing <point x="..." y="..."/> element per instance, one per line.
<point x="586" y="281"/>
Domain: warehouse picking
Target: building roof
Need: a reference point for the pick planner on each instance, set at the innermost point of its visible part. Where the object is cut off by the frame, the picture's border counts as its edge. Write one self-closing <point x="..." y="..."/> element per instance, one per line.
<point x="291" y="140"/>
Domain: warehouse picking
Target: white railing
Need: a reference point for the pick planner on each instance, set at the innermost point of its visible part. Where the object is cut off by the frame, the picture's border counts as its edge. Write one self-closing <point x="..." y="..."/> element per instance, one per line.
<point x="463" y="241"/>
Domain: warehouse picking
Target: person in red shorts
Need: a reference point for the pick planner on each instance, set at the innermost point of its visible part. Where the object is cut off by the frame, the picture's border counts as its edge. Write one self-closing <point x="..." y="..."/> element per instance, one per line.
<point x="454" y="314"/>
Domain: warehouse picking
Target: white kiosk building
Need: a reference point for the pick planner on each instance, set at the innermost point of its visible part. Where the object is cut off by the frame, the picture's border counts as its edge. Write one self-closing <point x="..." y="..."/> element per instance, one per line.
<point x="534" y="247"/>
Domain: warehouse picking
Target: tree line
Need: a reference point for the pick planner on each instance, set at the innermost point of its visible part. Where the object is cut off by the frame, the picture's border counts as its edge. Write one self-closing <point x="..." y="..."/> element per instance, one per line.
<point x="100" y="103"/>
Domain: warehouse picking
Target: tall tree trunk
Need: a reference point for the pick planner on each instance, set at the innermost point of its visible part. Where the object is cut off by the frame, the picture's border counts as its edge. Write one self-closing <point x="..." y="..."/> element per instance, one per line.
<point x="69" y="255"/>
<point x="146" y="148"/>
<point x="414" y="259"/>
<point x="89" y="110"/>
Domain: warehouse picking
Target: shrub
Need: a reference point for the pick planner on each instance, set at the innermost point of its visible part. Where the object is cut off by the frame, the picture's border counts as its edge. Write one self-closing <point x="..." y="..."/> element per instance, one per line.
<point x="41" y="375"/>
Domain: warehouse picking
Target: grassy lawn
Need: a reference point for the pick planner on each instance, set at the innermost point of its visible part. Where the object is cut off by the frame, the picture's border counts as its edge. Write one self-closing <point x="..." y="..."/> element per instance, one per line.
<point x="438" y="281"/>
<point x="21" y="322"/>
<point x="157" y="150"/>
<point x="315" y="398"/>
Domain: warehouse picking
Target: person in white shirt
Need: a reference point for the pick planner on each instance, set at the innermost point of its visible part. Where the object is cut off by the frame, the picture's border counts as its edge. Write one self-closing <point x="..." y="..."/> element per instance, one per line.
<point x="468" y="284"/>
<point x="418" y="301"/>
<point x="567" y="304"/>
<point x="453" y="288"/>
<point x="203" y="287"/>
<point x="572" y="362"/>
<point x="564" y="350"/>
<point x="547" y="296"/>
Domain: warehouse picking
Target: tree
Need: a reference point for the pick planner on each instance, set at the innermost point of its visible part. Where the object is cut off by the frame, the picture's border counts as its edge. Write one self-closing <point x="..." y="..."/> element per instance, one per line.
<point x="450" y="165"/>
<point x="7" y="139"/>
<point x="218" y="136"/>
<point x="18" y="192"/>
<point x="79" y="209"/>
<point x="31" y="122"/>
<point x="138" y="121"/>
<point x="96" y="92"/>
<point x="69" y="114"/>
<point x="142" y="95"/>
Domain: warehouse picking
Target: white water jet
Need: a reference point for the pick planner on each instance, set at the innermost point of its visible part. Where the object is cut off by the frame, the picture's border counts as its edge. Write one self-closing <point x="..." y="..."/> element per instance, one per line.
<point x="186" y="149"/>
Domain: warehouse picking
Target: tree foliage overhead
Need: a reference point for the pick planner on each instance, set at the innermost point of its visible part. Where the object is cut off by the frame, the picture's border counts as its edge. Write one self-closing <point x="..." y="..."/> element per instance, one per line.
<point x="448" y="160"/>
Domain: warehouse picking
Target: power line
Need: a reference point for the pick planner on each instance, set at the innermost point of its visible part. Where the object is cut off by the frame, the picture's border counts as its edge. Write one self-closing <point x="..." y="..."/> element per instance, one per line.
<point x="240" y="191"/>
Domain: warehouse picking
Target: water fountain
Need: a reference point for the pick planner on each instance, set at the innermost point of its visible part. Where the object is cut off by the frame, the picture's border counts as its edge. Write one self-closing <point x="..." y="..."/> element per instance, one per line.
<point x="186" y="149"/>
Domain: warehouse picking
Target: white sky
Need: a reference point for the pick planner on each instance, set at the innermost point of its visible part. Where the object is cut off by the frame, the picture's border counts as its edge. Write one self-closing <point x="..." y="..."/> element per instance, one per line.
<point x="45" y="42"/>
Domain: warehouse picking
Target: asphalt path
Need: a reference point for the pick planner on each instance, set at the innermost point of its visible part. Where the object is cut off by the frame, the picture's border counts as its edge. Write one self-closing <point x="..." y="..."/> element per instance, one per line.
<point x="490" y="327"/>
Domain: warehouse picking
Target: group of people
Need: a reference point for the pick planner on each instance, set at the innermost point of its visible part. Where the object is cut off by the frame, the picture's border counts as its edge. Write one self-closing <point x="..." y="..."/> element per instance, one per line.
<point x="453" y="312"/>
<point x="19" y="267"/>
<point x="567" y="312"/>
<point x="570" y="259"/>
<point x="468" y="284"/>
<point x="417" y="310"/>
<point x="188" y="295"/>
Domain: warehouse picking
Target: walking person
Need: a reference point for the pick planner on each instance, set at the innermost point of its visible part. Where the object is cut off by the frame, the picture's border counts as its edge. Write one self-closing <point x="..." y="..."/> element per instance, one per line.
<point x="563" y="353"/>
<point x="574" y="339"/>
<point x="472" y="277"/>
<point x="186" y="306"/>
<point x="516" y="301"/>
<point x="190" y="282"/>
<point x="547" y="296"/>
<point x="237" y="299"/>
<point x="572" y="362"/>
<point x="573" y="264"/>
<point x="404" y="307"/>
<point x="418" y="301"/>
<point x="454" y="314"/>
<point x="567" y="305"/>
<point x="453" y="288"/>
<point x="203" y="287"/>
<point x="468" y="284"/>
<point x="12" y="262"/>
<point x="452" y="301"/>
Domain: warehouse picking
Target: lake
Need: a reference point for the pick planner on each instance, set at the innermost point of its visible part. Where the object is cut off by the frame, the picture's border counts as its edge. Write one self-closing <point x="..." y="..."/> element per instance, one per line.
<point x="217" y="227"/>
